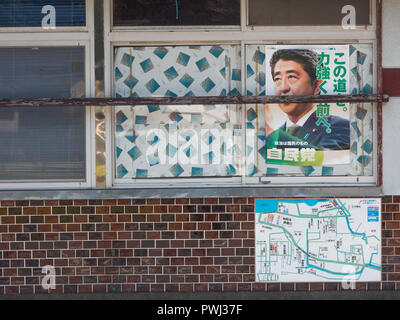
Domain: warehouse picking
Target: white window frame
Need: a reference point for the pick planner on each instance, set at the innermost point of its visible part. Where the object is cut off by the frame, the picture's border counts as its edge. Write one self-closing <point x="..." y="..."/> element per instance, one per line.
<point x="245" y="35"/>
<point x="61" y="37"/>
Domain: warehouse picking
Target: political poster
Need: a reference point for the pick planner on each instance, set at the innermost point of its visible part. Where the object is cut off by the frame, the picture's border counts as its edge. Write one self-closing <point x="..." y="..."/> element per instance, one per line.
<point x="307" y="134"/>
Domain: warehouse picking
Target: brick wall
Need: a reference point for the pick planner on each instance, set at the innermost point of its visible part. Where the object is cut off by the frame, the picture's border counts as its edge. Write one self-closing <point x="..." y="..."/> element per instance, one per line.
<point x="151" y="245"/>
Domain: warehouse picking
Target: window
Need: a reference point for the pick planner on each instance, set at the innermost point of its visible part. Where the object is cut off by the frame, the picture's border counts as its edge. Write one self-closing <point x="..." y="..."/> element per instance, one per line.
<point x="21" y="13"/>
<point x="45" y="143"/>
<point x="306" y="12"/>
<point x="45" y="146"/>
<point x="168" y="145"/>
<point x="176" y="13"/>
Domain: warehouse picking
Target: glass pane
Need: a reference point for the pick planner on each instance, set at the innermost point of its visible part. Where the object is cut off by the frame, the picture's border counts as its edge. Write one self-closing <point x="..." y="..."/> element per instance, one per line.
<point x="177" y="141"/>
<point x="45" y="142"/>
<point x="305" y="12"/>
<point x="28" y="13"/>
<point x="360" y="119"/>
<point x="176" y="12"/>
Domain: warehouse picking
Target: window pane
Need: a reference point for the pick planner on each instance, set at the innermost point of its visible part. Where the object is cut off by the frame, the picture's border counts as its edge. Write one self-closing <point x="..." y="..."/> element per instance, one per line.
<point x="176" y="12"/>
<point x="46" y="142"/>
<point x="305" y="12"/>
<point x="362" y="131"/>
<point x="28" y="13"/>
<point x="177" y="141"/>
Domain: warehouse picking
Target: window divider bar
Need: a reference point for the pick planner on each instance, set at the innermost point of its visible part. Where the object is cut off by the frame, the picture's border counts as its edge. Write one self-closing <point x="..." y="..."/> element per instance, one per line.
<point x="222" y="100"/>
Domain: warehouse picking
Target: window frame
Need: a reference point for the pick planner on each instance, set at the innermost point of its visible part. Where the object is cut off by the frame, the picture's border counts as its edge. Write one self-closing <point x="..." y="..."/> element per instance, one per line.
<point x="60" y="37"/>
<point x="116" y="37"/>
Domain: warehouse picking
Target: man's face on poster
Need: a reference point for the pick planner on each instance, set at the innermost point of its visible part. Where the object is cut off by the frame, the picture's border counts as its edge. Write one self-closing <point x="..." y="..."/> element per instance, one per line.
<point x="290" y="78"/>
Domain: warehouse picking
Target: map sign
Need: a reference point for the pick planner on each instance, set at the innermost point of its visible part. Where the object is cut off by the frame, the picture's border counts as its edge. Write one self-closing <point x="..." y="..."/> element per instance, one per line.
<point x="318" y="240"/>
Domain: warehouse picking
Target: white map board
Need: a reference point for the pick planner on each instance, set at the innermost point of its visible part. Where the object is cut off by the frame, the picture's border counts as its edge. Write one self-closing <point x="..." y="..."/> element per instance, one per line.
<point x="318" y="240"/>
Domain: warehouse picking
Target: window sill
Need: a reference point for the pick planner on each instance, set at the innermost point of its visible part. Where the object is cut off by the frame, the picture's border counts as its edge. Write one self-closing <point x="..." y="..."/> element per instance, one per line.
<point x="200" y="192"/>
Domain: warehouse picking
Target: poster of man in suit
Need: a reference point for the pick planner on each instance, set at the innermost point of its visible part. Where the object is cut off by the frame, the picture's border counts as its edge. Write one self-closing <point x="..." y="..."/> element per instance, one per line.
<point x="305" y="134"/>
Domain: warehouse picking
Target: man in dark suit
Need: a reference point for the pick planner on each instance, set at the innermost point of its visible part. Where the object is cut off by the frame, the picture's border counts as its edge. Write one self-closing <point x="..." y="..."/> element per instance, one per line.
<point x="294" y="73"/>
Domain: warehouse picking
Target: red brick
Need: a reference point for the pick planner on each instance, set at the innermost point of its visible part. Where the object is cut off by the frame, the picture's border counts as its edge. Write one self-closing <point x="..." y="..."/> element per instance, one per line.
<point x="211" y="234"/>
<point x="73" y="227"/>
<point x="44" y="227"/>
<point x="12" y="289"/>
<point x="175" y="226"/>
<point x="154" y="217"/>
<point x="8" y="237"/>
<point x="201" y="287"/>
<point x="235" y="278"/>
<point x="14" y="228"/>
<point x="392" y="208"/>
<point x="110" y="202"/>
<point x="80" y="202"/>
<point x="51" y="236"/>
<point x="396" y="216"/>
<point x="7" y="203"/>
<point x="59" y="228"/>
<point x="182" y="217"/>
<point x="29" y="210"/>
<point x="124" y="218"/>
<point x="102" y="209"/>
<point x="204" y="226"/>
<point x="146" y="209"/>
<point x="153" y="235"/>
<point x="85" y="288"/>
<point x="211" y="201"/>
<point x="51" y="219"/>
<point x="124" y="235"/>
<point x="99" y="288"/>
<point x="392" y="225"/>
<point x="160" y="209"/>
<point x="109" y="218"/>
<point x="240" y="200"/>
<point x="182" y="235"/>
<point x="186" y="287"/>
<point x="24" y="254"/>
<point x="175" y="209"/>
<point x="124" y="202"/>
<point x="394" y="276"/>
<point x="189" y="226"/>
<point x="8" y="220"/>
<point x="110" y="235"/>
<point x="153" y="201"/>
<point x="182" y="201"/>
<point x="211" y="217"/>
<point x="51" y="203"/>
<point x="80" y="236"/>
<point x="386" y="251"/>
<point x="316" y="286"/>
<point x="232" y="208"/>
<point x="80" y="219"/>
<point x="230" y="287"/>
<point x="44" y="210"/>
<point x="191" y="261"/>
<point x="117" y="227"/>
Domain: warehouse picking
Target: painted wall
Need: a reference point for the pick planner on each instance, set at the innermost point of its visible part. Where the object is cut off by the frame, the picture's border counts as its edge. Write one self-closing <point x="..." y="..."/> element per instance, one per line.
<point x="391" y="114"/>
